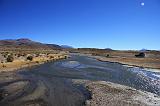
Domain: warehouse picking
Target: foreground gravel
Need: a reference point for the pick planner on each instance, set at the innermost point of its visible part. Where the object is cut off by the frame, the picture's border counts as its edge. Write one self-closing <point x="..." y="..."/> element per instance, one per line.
<point x="111" y="94"/>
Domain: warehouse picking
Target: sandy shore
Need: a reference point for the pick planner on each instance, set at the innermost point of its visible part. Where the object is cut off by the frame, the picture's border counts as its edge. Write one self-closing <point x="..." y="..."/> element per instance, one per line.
<point x="111" y="94"/>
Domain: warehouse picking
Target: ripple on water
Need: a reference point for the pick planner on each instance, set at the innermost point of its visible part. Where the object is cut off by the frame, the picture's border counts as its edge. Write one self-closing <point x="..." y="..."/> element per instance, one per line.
<point x="151" y="79"/>
<point x="72" y="64"/>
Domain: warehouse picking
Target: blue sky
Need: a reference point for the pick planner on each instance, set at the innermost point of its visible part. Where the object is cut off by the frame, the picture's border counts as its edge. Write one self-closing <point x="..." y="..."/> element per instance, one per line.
<point x="116" y="24"/>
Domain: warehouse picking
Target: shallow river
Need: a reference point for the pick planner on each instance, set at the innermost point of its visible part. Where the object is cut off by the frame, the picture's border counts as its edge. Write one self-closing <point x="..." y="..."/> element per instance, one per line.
<point x="54" y="79"/>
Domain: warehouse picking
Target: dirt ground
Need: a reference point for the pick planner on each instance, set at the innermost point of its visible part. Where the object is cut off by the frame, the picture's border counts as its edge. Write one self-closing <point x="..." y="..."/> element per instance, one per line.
<point x="140" y="62"/>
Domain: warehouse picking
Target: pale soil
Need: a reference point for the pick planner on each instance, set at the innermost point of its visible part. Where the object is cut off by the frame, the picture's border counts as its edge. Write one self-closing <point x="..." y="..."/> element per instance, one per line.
<point x="18" y="64"/>
<point x="111" y="94"/>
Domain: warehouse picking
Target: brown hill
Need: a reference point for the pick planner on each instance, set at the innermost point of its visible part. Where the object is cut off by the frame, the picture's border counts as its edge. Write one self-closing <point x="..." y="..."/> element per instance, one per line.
<point x="26" y="44"/>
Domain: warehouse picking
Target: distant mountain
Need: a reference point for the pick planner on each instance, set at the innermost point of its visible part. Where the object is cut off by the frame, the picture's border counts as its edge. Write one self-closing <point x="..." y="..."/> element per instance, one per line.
<point x="25" y="43"/>
<point x="143" y="50"/>
<point x="108" y="49"/>
<point x="66" y="47"/>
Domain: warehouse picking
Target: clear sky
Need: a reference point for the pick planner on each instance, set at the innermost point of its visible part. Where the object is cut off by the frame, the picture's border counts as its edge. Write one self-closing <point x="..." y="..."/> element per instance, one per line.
<point x="116" y="24"/>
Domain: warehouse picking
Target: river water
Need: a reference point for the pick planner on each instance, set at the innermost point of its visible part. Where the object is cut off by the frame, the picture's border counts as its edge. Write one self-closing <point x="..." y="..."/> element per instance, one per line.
<point x="55" y="80"/>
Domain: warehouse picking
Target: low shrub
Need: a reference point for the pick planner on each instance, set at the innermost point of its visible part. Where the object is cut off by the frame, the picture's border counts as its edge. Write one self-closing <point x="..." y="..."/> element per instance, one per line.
<point x="30" y="58"/>
<point x="107" y="55"/>
<point x="51" y="57"/>
<point x="37" y="54"/>
<point x="65" y="57"/>
<point x="10" y="58"/>
<point x="37" y="62"/>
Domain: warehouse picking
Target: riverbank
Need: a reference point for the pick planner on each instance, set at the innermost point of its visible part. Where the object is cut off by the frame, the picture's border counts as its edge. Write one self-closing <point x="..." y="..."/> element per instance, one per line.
<point x="18" y="64"/>
<point x="132" y="62"/>
<point x="150" y="58"/>
<point x="111" y="94"/>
